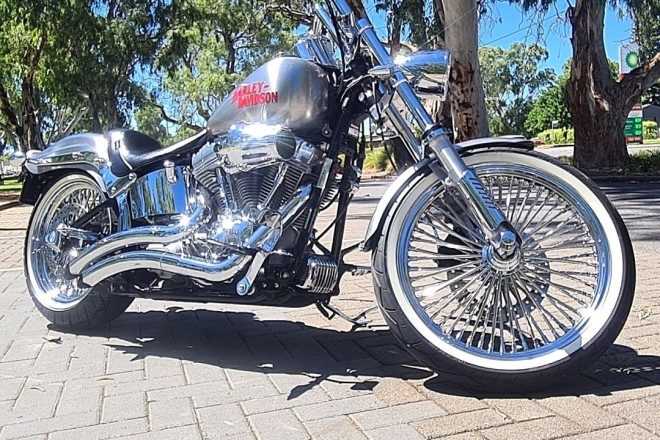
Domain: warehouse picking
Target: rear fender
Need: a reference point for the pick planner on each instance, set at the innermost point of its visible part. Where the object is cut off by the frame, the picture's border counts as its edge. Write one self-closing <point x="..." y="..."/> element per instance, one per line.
<point x="87" y="153"/>
<point x="422" y="169"/>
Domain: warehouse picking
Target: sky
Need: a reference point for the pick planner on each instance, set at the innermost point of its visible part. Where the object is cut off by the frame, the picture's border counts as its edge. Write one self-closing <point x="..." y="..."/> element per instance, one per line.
<point x="507" y="24"/>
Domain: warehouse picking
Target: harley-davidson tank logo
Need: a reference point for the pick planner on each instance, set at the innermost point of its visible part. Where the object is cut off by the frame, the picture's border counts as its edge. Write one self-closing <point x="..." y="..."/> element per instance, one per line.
<point x="249" y="95"/>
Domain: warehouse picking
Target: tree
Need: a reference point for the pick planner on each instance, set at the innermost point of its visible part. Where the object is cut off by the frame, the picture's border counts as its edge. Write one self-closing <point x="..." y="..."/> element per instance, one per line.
<point x="512" y="81"/>
<point x="216" y="44"/>
<point x="599" y="104"/>
<point x="466" y="94"/>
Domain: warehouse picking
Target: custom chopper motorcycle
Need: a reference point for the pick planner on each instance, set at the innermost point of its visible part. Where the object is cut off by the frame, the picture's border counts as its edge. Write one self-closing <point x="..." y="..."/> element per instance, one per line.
<point x="492" y="264"/>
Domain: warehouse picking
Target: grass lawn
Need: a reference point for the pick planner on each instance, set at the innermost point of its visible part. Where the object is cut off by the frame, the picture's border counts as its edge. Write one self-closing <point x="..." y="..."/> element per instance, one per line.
<point x="652" y="141"/>
<point x="11" y="185"/>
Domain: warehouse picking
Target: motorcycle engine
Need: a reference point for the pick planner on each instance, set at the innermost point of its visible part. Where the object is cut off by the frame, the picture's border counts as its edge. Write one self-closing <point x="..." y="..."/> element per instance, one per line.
<point x="250" y="173"/>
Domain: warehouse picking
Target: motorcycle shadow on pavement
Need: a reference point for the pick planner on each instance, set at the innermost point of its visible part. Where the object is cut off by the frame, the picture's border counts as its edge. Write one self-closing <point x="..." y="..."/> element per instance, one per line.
<point x="313" y="356"/>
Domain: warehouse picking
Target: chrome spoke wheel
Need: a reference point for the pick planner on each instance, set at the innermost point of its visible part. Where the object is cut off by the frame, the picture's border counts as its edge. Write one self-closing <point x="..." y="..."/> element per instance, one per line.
<point x="527" y="302"/>
<point x="51" y="245"/>
<point x="558" y="300"/>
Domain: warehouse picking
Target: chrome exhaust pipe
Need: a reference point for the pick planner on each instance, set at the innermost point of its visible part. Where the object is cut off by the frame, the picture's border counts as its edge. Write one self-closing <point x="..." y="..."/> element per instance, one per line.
<point x="143" y="235"/>
<point x="167" y="262"/>
<point x="263" y="237"/>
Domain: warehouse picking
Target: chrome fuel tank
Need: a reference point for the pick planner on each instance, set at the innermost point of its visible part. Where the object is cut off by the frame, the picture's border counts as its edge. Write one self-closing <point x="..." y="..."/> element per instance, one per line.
<point x="287" y="91"/>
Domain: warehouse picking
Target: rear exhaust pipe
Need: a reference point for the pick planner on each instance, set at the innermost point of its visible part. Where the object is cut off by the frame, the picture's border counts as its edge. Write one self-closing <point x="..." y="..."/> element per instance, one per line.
<point x="143" y="235"/>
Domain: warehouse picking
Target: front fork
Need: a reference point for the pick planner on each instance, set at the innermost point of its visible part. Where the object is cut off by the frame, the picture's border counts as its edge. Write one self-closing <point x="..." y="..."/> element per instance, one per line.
<point x="498" y="231"/>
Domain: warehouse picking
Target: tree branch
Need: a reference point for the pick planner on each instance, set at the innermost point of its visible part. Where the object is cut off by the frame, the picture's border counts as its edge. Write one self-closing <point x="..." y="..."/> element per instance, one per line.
<point x="8" y="110"/>
<point x="166" y="117"/>
<point x="643" y="78"/>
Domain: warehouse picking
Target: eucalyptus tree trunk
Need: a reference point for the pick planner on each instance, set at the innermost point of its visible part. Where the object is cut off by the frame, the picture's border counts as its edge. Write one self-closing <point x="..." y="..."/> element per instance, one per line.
<point x="598" y="103"/>
<point x="466" y="93"/>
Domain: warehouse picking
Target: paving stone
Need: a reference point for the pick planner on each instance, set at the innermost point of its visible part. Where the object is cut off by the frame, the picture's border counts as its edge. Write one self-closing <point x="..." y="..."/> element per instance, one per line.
<point x="46" y="426"/>
<point x="397" y="415"/>
<point x="271" y="403"/>
<point x="170" y="413"/>
<point x="190" y="432"/>
<point x="23" y="350"/>
<point x="222" y="421"/>
<point x="164" y="383"/>
<point x="278" y="425"/>
<point x="203" y="373"/>
<point x="78" y="401"/>
<point x="338" y="407"/>
<point x="519" y="409"/>
<point x="459" y="423"/>
<point x="585" y="414"/>
<point x="640" y="412"/>
<point x="539" y="429"/>
<point x="623" y="432"/>
<point x="120" y="428"/>
<point x="124" y="407"/>
<point x="393" y="392"/>
<point x="398" y="432"/>
<point x="10" y="387"/>
<point x="335" y="428"/>
<point x="38" y="399"/>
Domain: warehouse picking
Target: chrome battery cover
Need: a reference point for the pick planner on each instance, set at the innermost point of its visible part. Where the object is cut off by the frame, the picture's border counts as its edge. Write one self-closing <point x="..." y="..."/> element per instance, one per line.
<point x="286" y="91"/>
<point x="161" y="192"/>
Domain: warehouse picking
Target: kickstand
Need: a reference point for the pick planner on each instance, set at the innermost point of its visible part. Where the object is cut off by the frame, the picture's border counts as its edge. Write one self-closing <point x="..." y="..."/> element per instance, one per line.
<point x="359" y="321"/>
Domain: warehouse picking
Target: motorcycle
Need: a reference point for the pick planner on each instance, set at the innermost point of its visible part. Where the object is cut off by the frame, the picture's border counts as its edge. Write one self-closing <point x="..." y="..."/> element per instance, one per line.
<point x="492" y="264"/>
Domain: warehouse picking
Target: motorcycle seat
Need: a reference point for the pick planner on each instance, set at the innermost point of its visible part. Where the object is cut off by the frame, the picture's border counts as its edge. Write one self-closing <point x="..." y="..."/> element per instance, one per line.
<point x="130" y="150"/>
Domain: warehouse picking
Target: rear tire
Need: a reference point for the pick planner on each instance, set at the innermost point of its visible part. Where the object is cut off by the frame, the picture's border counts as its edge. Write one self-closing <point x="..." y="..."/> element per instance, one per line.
<point x="489" y="344"/>
<point x="55" y="294"/>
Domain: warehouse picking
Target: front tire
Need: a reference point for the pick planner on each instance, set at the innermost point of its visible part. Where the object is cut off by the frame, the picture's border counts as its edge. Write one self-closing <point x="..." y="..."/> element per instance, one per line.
<point x="497" y="325"/>
<point x="54" y="292"/>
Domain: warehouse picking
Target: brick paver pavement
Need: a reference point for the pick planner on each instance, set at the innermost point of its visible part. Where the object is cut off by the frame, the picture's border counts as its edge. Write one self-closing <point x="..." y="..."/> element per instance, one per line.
<point x="189" y="371"/>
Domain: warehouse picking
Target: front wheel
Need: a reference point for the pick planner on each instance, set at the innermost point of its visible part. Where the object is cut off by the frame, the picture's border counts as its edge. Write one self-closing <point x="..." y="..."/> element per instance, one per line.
<point x="550" y="310"/>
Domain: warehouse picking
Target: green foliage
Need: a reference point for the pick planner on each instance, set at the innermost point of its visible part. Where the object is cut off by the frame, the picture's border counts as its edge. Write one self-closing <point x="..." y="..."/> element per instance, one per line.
<point x="377" y="160"/>
<point x="512" y="80"/>
<point x="557" y="136"/>
<point x="216" y="44"/>
<point x="650" y="130"/>
<point x="149" y="121"/>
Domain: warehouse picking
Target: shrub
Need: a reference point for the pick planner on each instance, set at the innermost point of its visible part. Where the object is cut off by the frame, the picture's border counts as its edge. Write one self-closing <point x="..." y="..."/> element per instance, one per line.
<point x="558" y="136"/>
<point x="650" y="130"/>
<point x="377" y="159"/>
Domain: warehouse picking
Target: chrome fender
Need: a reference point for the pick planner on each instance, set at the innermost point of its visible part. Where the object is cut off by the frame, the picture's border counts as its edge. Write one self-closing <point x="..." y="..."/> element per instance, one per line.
<point x="86" y="152"/>
<point x="422" y="169"/>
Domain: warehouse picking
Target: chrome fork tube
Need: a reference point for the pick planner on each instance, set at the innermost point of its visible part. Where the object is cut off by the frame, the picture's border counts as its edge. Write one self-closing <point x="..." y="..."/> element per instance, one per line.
<point x="491" y="219"/>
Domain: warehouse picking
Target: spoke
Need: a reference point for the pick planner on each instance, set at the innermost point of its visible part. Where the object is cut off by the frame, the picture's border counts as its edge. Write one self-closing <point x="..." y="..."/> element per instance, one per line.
<point x="531" y="322"/>
<point x="456" y="294"/>
<point x="481" y="306"/>
<point x="564" y="261"/>
<point x="434" y="256"/>
<point x="438" y="223"/>
<point x="453" y="217"/>
<point x="553" y="300"/>
<point x="532" y="213"/>
<point x="496" y="307"/>
<point x="568" y="243"/>
<point x="542" y="311"/>
<point x="442" y="243"/>
<point x="560" y="287"/>
<point x="436" y="271"/>
<point x="543" y="222"/>
<point x="514" y="321"/>
<point x="439" y="286"/>
<point x="563" y="274"/>
<point x="465" y="306"/>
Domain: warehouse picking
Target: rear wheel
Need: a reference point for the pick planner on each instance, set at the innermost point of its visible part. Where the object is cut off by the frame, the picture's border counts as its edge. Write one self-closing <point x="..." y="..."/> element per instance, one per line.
<point x="550" y="311"/>
<point x="49" y="246"/>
